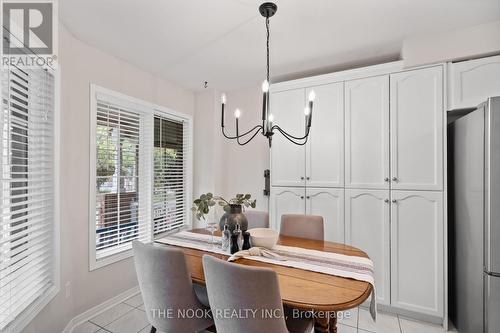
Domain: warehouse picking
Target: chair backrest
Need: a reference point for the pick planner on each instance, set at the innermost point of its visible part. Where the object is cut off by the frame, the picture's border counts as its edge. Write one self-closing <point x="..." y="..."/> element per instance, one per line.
<point x="166" y="288"/>
<point x="234" y="287"/>
<point x="303" y="226"/>
<point x="257" y="219"/>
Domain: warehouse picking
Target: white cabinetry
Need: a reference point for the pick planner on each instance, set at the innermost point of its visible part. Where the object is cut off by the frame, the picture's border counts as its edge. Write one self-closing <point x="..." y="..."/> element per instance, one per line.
<point x="472" y="82"/>
<point x="288" y="160"/>
<point x="319" y="163"/>
<point x="325" y="202"/>
<point x="286" y="200"/>
<point x="373" y="168"/>
<point x="367" y="133"/>
<point x="329" y="203"/>
<point x="417" y="129"/>
<point x="325" y="146"/>
<point x="417" y="251"/>
<point x="367" y="224"/>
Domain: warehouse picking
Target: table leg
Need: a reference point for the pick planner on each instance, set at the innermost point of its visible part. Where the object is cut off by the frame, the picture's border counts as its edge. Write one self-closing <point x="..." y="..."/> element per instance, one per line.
<point x="326" y="324"/>
<point x="321" y="325"/>
<point x="332" y="325"/>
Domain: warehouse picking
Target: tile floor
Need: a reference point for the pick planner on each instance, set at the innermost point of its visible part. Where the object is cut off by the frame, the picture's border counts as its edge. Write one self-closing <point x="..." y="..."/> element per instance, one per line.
<point x="129" y="317"/>
<point x="359" y="321"/>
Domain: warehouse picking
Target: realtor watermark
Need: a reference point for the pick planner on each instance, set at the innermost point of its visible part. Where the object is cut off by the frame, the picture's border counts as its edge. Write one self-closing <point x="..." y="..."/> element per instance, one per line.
<point x="29" y="33"/>
<point x="217" y="313"/>
<point x="245" y="313"/>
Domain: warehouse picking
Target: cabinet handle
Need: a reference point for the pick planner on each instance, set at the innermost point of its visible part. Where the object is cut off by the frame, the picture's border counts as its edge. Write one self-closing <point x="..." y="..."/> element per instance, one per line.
<point x="386" y="179"/>
<point x="301" y="178"/>
<point x="394" y="179"/>
<point x="386" y="200"/>
<point x="302" y="197"/>
<point x="307" y="178"/>
<point x="394" y="201"/>
<point x="308" y="197"/>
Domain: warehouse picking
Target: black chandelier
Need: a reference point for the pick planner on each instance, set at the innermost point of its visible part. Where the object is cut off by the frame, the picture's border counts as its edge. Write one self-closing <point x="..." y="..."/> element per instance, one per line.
<point x="267" y="128"/>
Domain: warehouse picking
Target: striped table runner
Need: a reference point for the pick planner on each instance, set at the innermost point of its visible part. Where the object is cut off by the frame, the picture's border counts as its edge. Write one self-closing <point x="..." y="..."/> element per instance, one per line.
<point x="336" y="264"/>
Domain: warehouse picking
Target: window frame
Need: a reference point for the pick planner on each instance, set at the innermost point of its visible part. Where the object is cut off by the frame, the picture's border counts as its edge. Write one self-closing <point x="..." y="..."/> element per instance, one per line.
<point x="32" y="310"/>
<point x="151" y="110"/>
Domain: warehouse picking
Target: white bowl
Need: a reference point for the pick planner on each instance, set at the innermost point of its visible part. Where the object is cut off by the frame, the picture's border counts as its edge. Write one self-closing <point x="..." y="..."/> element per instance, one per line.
<point x="263" y="237"/>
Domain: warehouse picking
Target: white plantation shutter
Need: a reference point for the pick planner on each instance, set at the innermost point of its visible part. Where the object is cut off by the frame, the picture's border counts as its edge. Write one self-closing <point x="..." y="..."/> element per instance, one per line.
<point x="139" y="174"/>
<point x="171" y="155"/>
<point x="27" y="190"/>
<point x="122" y="176"/>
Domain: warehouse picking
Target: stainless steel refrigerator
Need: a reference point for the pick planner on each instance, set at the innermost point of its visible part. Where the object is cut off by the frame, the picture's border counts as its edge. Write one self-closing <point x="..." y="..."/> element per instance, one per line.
<point x="475" y="219"/>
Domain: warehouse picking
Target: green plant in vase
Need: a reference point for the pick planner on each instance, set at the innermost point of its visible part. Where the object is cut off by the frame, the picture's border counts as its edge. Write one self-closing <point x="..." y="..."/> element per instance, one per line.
<point x="233" y="209"/>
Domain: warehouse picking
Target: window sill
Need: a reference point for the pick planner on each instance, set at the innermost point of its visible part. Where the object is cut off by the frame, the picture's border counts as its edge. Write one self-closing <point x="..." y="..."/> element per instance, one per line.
<point x="108" y="260"/>
<point x="121" y="254"/>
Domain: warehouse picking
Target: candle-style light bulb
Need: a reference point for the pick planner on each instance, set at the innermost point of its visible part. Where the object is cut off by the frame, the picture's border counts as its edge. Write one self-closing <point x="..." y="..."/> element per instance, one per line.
<point x="307" y="111"/>
<point x="270" y="119"/>
<point x="223" y="98"/>
<point x="237" y="113"/>
<point x="265" y="86"/>
<point x="312" y="96"/>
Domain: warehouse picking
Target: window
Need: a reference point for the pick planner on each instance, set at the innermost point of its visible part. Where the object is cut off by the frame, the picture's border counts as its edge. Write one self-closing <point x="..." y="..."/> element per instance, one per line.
<point x="27" y="221"/>
<point x="170" y="172"/>
<point x="139" y="173"/>
<point x="118" y="146"/>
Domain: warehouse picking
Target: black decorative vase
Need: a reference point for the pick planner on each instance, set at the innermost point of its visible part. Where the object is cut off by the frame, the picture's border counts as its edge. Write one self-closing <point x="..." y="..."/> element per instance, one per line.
<point x="233" y="217"/>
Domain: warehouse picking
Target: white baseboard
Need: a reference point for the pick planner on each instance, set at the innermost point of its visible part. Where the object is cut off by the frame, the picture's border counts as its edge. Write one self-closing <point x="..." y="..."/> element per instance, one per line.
<point x="92" y="312"/>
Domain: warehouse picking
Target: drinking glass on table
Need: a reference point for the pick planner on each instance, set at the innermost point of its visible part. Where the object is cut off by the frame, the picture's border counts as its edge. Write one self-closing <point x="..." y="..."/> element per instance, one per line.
<point x="212" y="225"/>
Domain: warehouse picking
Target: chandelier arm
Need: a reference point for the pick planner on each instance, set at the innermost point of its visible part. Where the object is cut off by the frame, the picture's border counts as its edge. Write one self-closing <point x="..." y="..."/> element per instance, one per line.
<point x="227" y="136"/>
<point x="249" y="131"/>
<point x="251" y="138"/>
<point x="289" y="135"/>
<point x="291" y="139"/>
<point x="240" y="135"/>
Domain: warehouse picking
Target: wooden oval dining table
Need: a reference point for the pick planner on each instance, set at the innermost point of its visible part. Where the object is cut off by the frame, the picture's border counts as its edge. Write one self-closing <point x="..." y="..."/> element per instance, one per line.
<point x="322" y="294"/>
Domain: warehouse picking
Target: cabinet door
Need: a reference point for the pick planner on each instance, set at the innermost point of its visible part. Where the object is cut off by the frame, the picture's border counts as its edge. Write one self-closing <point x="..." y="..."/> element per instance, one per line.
<point x="287" y="159"/>
<point x="473" y="81"/>
<point x="367" y="228"/>
<point x="417" y="129"/>
<point x="325" y="146"/>
<point x="285" y="200"/>
<point x="417" y="251"/>
<point x="328" y="203"/>
<point x="367" y="133"/>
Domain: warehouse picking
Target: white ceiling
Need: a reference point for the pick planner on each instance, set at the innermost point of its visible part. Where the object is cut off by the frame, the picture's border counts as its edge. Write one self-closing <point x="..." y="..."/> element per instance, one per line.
<point x="223" y="41"/>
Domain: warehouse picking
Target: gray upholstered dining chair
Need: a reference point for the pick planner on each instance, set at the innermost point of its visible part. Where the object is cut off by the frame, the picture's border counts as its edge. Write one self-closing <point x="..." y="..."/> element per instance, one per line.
<point x="303" y="226"/>
<point x="166" y="289"/>
<point x="244" y="289"/>
<point x="257" y="219"/>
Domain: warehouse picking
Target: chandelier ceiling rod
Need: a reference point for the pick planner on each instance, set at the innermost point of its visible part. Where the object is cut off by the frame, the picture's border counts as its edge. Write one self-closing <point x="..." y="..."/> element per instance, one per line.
<point x="267" y="10"/>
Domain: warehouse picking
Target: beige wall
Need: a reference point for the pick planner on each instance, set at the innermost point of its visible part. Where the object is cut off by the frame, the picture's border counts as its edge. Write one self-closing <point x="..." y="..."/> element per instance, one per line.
<point x="205" y="146"/>
<point x="222" y="166"/>
<point x="243" y="166"/>
<point x="471" y="42"/>
<point x="81" y="65"/>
